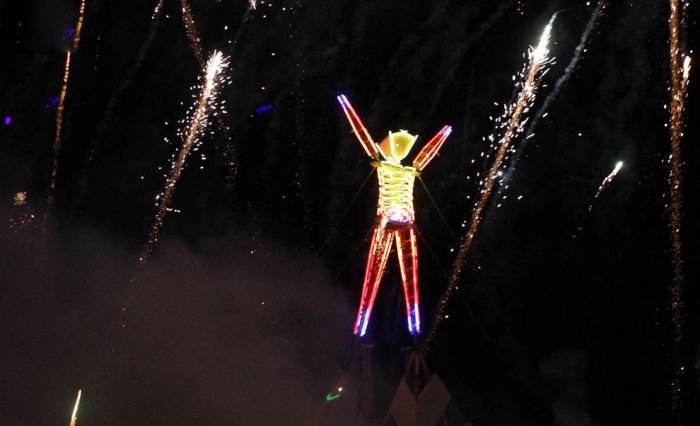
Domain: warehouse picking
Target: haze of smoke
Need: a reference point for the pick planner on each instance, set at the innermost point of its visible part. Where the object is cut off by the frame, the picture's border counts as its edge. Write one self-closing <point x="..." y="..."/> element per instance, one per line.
<point x="235" y="331"/>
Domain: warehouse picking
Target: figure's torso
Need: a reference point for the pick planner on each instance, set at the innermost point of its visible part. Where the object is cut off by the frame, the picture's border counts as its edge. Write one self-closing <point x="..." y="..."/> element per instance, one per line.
<point x="395" y="205"/>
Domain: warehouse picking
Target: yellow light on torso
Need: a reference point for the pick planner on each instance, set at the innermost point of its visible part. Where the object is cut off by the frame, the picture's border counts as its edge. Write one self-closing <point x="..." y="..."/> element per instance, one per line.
<point x="395" y="203"/>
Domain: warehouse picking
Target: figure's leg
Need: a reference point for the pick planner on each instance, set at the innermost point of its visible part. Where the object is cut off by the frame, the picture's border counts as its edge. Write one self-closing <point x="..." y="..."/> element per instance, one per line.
<point x="408" y="260"/>
<point x="376" y="262"/>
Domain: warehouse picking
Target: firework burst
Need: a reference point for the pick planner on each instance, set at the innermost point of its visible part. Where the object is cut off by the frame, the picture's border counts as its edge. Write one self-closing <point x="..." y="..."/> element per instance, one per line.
<point x="194" y="125"/>
<point x="507" y="127"/>
<point x="20" y="199"/>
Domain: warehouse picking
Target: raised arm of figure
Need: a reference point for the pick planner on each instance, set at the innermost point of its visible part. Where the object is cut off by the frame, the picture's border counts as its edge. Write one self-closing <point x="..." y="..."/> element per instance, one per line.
<point x="359" y="128"/>
<point x="431" y="149"/>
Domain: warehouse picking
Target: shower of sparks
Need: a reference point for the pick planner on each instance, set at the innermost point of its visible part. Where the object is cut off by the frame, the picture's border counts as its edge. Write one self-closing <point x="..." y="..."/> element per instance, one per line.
<point x="194" y="125"/>
<point x="680" y="74"/>
<point x="253" y="3"/>
<point x="59" y="112"/>
<point x="507" y="127"/>
<point x="24" y="220"/>
<point x="196" y="46"/>
<point x="191" y="30"/>
<point x="25" y="217"/>
<point x="561" y="81"/>
<point x="74" y="416"/>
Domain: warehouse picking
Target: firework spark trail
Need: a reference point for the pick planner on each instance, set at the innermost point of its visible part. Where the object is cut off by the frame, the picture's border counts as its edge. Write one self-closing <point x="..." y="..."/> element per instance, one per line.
<point x="74" y="416"/>
<point x="608" y="179"/>
<point x="196" y="123"/>
<point x="229" y="151"/>
<point x="156" y="10"/>
<point x="191" y="30"/>
<point x="680" y="74"/>
<point x="561" y="81"/>
<point x="188" y="21"/>
<point x="508" y="127"/>
<point x="111" y="104"/>
<point x="59" y="114"/>
<point x="79" y="25"/>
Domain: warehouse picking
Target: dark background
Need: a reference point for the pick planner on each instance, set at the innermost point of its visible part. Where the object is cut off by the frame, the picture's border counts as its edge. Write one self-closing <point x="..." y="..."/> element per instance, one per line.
<point x="244" y="313"/>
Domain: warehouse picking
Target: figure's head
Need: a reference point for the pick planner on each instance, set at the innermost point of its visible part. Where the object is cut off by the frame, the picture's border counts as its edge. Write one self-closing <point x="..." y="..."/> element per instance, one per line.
<point x="396" y="146"/>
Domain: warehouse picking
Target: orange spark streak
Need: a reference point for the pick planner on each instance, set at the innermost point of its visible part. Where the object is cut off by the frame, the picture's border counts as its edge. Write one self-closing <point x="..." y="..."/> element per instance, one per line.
<point x="678" y="91"/>
<point x="59" y="113"/>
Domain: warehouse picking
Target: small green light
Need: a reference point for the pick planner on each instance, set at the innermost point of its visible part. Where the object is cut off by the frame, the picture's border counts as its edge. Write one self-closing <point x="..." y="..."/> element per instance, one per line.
<point x="331" y="397"/>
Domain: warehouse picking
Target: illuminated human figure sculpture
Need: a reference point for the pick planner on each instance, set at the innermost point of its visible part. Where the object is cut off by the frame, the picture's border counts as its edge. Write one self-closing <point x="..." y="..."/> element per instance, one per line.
<point x="395" y="214"/>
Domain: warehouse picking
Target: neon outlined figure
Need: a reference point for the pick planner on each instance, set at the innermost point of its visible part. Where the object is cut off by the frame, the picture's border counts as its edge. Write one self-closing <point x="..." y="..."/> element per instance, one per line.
<point x="395" y="214"/>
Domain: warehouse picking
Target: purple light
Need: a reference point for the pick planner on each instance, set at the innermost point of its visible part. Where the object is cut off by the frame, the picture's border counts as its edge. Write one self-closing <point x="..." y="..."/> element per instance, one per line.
<point x="68" y="34"/>
<point x="263" y="109"/>
<point x="52" y="102"/>
<point x="8" y="120"/>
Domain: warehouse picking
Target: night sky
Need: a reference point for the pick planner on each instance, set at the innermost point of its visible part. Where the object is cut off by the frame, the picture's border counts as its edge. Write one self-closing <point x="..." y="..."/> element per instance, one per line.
<point x="244" y="312"/>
